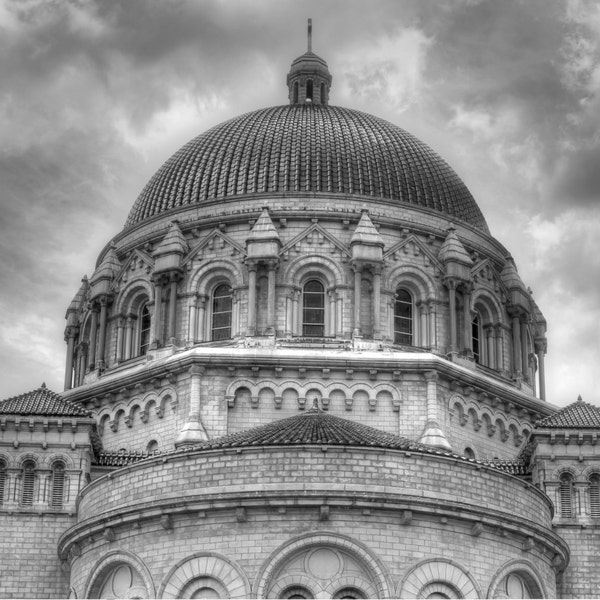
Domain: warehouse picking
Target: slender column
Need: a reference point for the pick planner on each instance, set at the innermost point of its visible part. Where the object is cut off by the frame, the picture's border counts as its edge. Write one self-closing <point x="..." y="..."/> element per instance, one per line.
<point x="339" y="322"/>
<point x="452" y="300"/>
<point x="171" y="335"/>
<point x="192" y="325"/>
<point x="119" y="355"/>
<point x="157" y="310"/>
<point x="288" y="313"/>
<point x="78" y="361"/>
<point x="201" y="325"/>
<point x="357" y="286"/>
<point x="102" y="334"/>
<point x="524" y="353"/>
<point x="235" y="313"/>
<point x="432" y="332"/>
<point x="422" y="324"/>
<point x="71" y="332"/>
<point x="489" y="334"/>
<point x="271" y="266"/>
<point x="516" y="332"/>
<point x="251" y="299"/>
<point x="295" y="312"/>
<point x="467" y="321"/>
<point x="376" y="304"/>
<point x="93" y="336"/>
<point x="129" y="338"/>
<point x="499" y="348"/>
<point x="540" y="348"/>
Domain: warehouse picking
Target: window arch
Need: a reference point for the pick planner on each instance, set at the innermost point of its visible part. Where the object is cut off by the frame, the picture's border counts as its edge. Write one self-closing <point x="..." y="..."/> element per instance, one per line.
<point x="297" y="591"/>
<point x="403" y="317"/>
<point x="144" y="322"/>
<point x="566" y="495"/>
<point x="2" y="480"/>
<point x="313" y="309"/>
<point x="221" y="311"/>
<point x="594" y="493"/>
<point x="27" y="483"/>
<point x="58" y="484"/>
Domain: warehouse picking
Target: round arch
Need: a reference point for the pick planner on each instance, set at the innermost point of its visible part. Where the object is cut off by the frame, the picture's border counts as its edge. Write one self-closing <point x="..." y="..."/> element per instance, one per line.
<point x="377" y="571"/>
<point x="412" y="278"/>
<point x="112" y="560"/>
<point x="314" y="265"/>
<point x="438" y="571"/>
<point x="217" y="271"/>
<point x="206" y="566"/>
<point x="523" y="569"/>
<point x="133" y="295"/>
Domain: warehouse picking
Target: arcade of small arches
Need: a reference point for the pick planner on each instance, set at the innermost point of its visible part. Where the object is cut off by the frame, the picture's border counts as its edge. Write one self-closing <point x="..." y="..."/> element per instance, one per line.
<point x="576" y="495"/>
<point x="311" y="302"/>
<point x="33" y="482"/>
<point x="311" y="566"/>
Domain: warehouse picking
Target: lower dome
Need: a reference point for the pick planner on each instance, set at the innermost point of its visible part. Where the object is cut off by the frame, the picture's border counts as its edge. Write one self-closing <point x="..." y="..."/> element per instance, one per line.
<point x="307" y="148"/>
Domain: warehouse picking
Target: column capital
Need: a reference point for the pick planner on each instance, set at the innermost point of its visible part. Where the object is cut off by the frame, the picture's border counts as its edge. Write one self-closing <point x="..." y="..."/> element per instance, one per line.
<point x="251" y="264"/>
<point x="431" y="375"/>
<point x="197" y="370"/>
<point x="451" y="282"/>
<point x="540" y="344"/>
<point x="71" y="333"/>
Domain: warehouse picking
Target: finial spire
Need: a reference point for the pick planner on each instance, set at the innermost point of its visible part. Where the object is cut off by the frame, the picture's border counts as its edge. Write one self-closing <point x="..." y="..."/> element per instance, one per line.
<point x="309" y="35"/>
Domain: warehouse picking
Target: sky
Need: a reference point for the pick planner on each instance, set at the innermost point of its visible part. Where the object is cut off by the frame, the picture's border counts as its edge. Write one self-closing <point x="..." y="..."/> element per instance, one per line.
<point x="96" y="95"/>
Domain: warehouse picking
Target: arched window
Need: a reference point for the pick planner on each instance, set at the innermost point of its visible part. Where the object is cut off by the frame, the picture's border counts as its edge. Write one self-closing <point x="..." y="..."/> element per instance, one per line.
<point x="594" y="489"/>
<point x="295" y="93"/>
<point x="28" y="483"/>
<point x="515" y="586"/>
<point x="476" y="338"/>
<point x="566" y="495"/>
<point x="221" y="312"/>
<point x="58" y="485"/>
<point x="2" y="480"/>
<point x="349" y="593"/>
<point x="297" y="591"/>
<point x="403" y="317"/>
<point x="144" y="327"/>
<point x="309" y="90"/>
<point x="323" y="99"/>
<point x="469" y="453"/>
<point x="313" y="309"/>
<point x="152" y="447"/>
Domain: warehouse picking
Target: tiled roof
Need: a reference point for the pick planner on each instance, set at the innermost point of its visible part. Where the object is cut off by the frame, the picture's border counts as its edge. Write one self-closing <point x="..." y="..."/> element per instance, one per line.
<point x="41" y="402"/>
<point x="121" y="458"/>
<point x="307" y="149"/>
<point x="579" y="415"/>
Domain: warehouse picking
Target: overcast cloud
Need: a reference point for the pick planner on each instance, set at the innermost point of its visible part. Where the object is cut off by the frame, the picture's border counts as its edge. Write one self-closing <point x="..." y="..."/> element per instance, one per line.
<point x="95" y="96"/>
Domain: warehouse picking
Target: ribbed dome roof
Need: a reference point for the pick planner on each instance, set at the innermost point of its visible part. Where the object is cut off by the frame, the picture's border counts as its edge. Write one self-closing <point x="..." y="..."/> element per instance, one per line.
<point x="303" y="149"/>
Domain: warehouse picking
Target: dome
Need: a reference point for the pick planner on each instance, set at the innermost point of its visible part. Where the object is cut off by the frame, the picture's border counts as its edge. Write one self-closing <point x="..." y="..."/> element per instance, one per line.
<point x="307" y="149"/>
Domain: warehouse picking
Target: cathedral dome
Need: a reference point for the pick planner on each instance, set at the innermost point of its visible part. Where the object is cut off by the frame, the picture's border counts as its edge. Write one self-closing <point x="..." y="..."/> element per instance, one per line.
<point x="307" y="149"/>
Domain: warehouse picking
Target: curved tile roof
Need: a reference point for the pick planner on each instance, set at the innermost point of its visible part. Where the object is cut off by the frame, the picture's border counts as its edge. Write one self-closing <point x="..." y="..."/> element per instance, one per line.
<point x="579" y="415"/>
<point x="307" y="149"/>
<point x="41" y="402"/>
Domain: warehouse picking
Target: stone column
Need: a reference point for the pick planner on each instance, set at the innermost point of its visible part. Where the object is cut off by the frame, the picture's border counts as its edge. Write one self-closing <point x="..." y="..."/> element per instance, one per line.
<point x="192" y="324"/>
<point x="432" y="328"/>
<point x="339" y="321"/>
<point x="377" y="303"/>
<point x="193" y="430"/>
<point x="467" y="321"/>
<point x="157" y="311"/>
<point x="296" y="312"/>
<point x="516" y="333"/>
<point x="331" y="314"/>
<point x="489" y="335"/>
<point x="289" y="313"/>
<point x="540" y="349"/>
<point x="452" y="308"/>
<point x="251" y="330"/>
<point x="524" y="353"/>
<point x="171" y="335"/>
<point x="119" y="353"/>
<point x="357" y="289"/>
<point x="201" y="334"/>
<point x="129" y="349"/>
<point x="499" y="347"/>
<point x="70" y="334"/>
<point x="422" y="324"/>
<point x="93" y="336"/>
<point x="271" y="266"/>
<point x="102" y="333"/>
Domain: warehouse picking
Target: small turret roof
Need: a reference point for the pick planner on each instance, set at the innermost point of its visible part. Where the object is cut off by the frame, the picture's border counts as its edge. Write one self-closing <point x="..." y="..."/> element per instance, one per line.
<point x="41" y="402"/>
<point x="579" y="415"/>
<point x="453" y="250"/>
<point x="366" y="232"/>
<point x="173" y="243"/>
<point x="263" y="229"/>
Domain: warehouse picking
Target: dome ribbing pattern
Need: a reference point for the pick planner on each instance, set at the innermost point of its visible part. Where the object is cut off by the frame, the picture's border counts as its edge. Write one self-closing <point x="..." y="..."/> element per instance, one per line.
<point x="307" y="149"/>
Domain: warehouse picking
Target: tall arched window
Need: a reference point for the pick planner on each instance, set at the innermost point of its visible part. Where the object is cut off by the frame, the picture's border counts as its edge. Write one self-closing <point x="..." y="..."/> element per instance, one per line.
<point x="403" y="318"/>
<point x="221" y="312"/>
<point x="476" y="338"/>
<point x="27" y="483"/>
<point x="566" y="495"/>
<point x="145" y="324"/>
<point x="309" y="90"/>
<point x="2" y="480"/>
<point x="313" y="309"/>
<point x="58" y="485"/>
<point x="295" y="93"/>
<point x="594" y="490"/>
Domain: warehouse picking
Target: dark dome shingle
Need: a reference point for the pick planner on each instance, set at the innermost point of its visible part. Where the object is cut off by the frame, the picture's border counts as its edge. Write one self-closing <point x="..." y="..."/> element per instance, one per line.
<point x="306" y="148"/>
